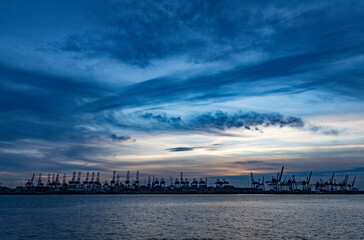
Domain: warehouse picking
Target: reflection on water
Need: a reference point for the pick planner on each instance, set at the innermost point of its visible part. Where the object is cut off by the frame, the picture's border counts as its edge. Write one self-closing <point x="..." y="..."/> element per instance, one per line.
<point x="182" y="217"/>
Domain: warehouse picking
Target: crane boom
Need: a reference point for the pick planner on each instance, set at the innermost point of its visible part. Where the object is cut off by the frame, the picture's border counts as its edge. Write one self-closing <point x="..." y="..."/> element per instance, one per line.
<point x="309" y="178"/>
<point x="280" y="176"/>
<point x="352" y="184"/>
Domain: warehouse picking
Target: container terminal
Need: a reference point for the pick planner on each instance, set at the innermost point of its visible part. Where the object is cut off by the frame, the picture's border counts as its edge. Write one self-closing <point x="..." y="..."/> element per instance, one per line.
<point x="93" y="185"/>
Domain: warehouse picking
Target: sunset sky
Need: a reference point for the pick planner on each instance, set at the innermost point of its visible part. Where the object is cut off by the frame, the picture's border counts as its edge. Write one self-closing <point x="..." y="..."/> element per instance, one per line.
<point x="210" y="88"/>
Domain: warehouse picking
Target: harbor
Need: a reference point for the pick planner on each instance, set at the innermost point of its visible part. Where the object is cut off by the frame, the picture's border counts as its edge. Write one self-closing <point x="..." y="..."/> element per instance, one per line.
<point x="92" y="184"/>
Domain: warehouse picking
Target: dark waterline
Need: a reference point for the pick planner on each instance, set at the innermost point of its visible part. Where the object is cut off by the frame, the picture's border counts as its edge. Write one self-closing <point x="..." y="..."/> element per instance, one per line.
<point x="182" y="217"/>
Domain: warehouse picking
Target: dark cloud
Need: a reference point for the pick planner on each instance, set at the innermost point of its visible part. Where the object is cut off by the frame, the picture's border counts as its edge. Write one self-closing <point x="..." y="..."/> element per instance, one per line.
<point x="346" y="171"/>
<point x="260" y="165"/>
<point x="36" y="105"/>
<point x="203" y="32"/>
<point x="217" y="121"/>
<point x="221" y="120"/>
<point x="325" y="130"/>
<point x="152" y="30"/>
<point x="120" y="138"/>
<point x="181" y="149"/>
<point x="248" y="162"/>
<point x="244" y="81"/>
<point x="48" y="157"/>
<point x="137" y="33"/>
<point x="44" y="93"/>
<point x="187" y="149"/>
<point x="162" y="118"/>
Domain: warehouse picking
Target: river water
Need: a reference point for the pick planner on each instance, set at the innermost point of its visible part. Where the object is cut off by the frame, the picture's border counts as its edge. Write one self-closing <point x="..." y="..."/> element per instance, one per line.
<point x="182" y="217"/>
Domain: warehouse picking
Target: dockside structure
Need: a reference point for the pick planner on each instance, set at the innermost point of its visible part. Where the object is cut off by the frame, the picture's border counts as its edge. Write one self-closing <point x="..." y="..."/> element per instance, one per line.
<point x="277" y="184"/>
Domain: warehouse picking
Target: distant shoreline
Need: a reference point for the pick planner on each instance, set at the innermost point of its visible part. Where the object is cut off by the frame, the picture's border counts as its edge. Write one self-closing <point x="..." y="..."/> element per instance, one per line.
<point x="189" y="193"/>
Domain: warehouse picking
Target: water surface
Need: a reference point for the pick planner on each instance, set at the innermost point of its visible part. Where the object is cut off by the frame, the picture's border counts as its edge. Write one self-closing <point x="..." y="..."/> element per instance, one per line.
<point x="182" y="217"/>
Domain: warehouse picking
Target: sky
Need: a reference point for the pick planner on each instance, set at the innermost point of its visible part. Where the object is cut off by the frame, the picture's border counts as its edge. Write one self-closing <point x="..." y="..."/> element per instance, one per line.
<point x="210" y="88"/>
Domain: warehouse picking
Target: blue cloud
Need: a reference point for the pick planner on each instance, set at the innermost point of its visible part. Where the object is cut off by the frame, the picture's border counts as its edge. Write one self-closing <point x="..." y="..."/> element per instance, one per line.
<point x="206" y="122"/>
<point x="188" y="149"/>
<point x="140" y="32"/>
<point x="180" y="149"/>
<point x="120" y="138"/>
<point x="243" y="81"/>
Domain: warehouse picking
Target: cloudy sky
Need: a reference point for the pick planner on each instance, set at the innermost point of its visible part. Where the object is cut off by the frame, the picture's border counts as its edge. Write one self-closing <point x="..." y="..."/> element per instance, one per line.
<point x="211" y="88"/>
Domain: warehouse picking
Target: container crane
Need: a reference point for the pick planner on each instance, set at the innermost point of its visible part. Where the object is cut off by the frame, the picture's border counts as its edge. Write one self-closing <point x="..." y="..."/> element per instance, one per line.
<point x="163" y="183"/>
<point x="149" y="184"/>
<point x="202" y="183"/>
<point x="49" y="184"/>
<point x="78" y="179"/>
<point x="176" y="183"/>
<point x="275" y="183"/>
<point x="351" y="186"/>
<point x="117" y="184"/>
<point x="57" y="184"/>
<point x="182" y="182"/>
<point x="64" y="183"/>
<point x="29" y="183"/>
<point x="127" y="181"/>
<point x="218" y="183"/>
<point x="53" y="180"/>
<point x="40" y="184"/>
<point x="306" y="182"/>
<point x="85" y="182"/>
<point x="97" y="182"/>
<point x="73" y="181"/>
<point x="171" y="184"/>
<point x="112" y="182"/>
<point x="186" y="183"/>
<point x="332" y="183"/>
<point x="137" y="179"/>
<point x="194" y="183"/>
<point x="256" y="184"/>
<point x="91" y="182"/>
<point x="156" y="182"/>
